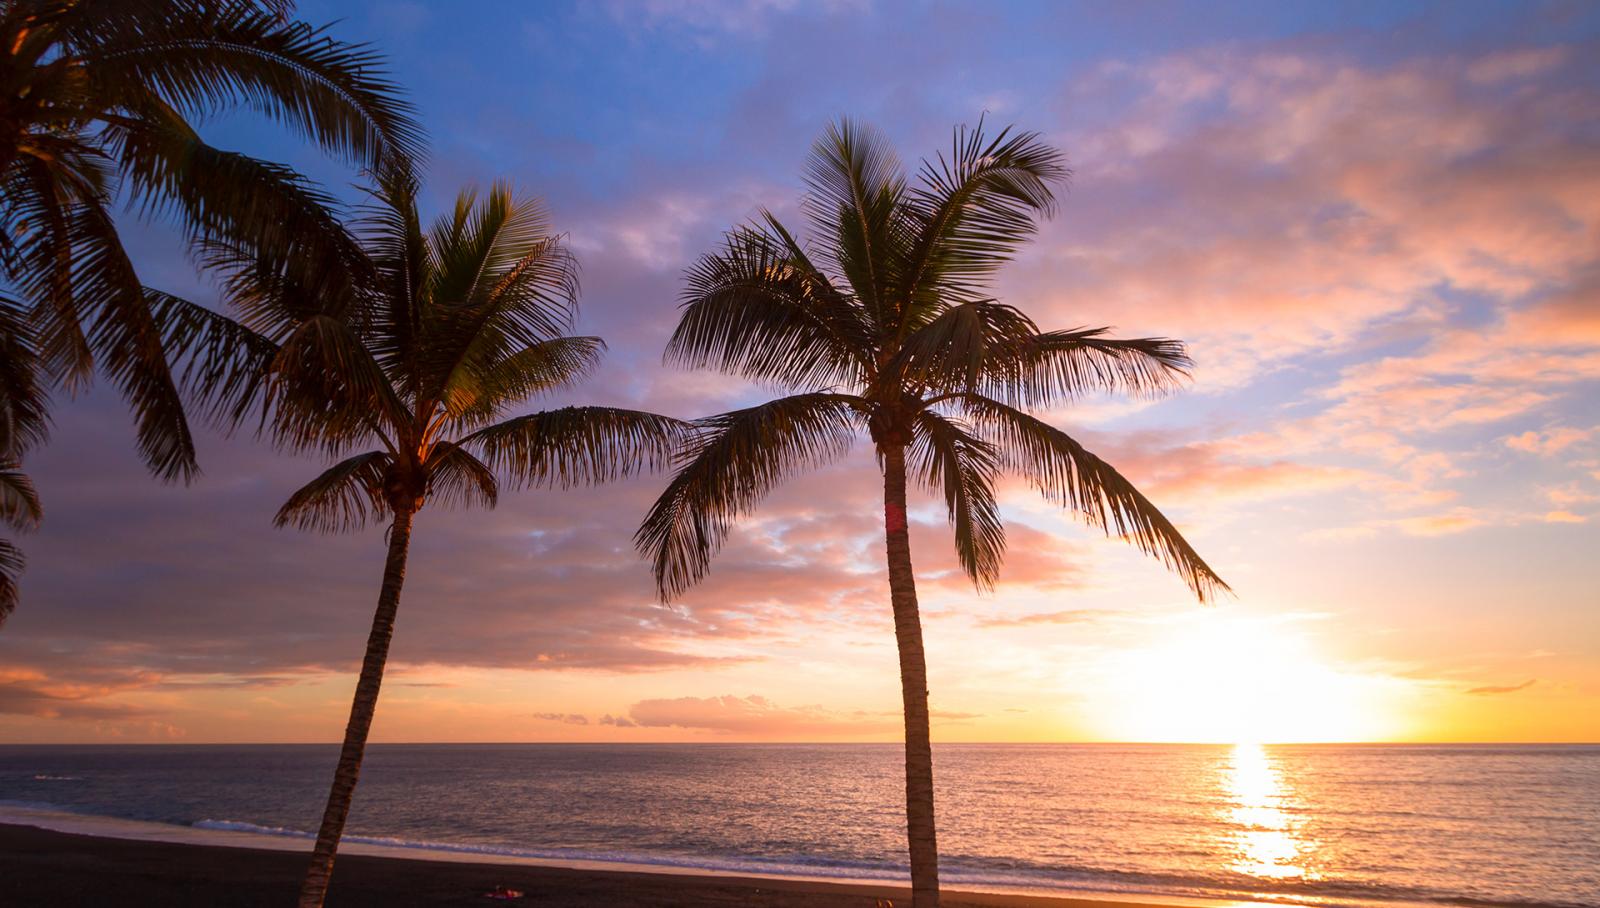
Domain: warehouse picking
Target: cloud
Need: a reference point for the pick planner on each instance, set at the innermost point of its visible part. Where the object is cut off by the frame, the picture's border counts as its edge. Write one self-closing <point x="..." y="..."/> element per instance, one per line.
<point x="564" y="718"/>
<point x="618" y="721"/>
<point x="1420" y="229"/>
<point x="1457" y="521"/>
<point x="757" y="716"/>
<point x="1549" y="441"/>
<point x="739" y="18"/>
<point x="1070" y="616"/>
<point x="28" y="692"/>
<point x="1506" y="689"/>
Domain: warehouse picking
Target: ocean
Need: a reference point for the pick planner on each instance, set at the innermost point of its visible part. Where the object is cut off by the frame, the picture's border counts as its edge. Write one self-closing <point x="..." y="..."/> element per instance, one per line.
<point x="1489" y="825"/>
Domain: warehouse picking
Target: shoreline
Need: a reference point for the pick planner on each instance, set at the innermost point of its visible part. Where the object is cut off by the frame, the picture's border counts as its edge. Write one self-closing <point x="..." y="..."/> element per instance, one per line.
<point x="40" y="866"/>
<point x="47" y="858"/>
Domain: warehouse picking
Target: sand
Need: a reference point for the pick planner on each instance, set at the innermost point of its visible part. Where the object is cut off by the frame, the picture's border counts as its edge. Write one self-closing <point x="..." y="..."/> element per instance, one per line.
<point x="40" y="867"/>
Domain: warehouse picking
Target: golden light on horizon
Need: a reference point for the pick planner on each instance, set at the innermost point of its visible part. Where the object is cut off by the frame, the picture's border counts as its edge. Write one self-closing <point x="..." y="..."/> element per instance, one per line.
<point x="1226" y="680"/>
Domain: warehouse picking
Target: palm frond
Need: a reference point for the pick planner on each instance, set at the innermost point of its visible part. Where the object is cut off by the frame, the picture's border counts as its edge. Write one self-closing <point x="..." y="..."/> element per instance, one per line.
<point x="127" y="344"/>
<point x="501" y="284"/>
<point x="24" y="399"/>
<point x="972" y="211"/>
<point x="37" y="208"/>
<point x="989" y="348"/>
<point x="951" y="351"/>
<point x="343" y="498"/>
<point x="729" y="466"/>
<point x="1068" y="474"/>
<point x="392" y="236"/>
<point x="576" y="446"/>
<point x="225" y="366"/>
<point x="952" y="461"/>
<point x="1046" y="369"/>
<point x="19" y="502"/>
<point x="477" y="392"/>
<point x="326" y="391"/>
<point x="457" y="479"/>
<point x="247" y="218"/>
<point x="855" y="194"/>
<point x="11" y="565"/>
<point x="207" y="57"/>
<point x="759" y="309"/>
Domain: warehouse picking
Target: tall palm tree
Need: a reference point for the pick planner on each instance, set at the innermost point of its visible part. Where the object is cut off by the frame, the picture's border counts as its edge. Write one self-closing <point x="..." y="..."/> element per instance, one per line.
<point x="412" y="344"/>
<point x="884" y="323"/>
<point x="96" y="101"/>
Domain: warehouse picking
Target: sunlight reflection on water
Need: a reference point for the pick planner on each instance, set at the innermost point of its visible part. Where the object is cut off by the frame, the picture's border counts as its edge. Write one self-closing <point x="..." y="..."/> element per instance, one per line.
<point x="1266" y="841"/>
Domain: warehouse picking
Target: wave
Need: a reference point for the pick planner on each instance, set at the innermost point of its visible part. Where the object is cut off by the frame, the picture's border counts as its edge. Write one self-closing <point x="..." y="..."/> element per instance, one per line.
<point x="241" y="826"/>
<point x="799" y="865"/>
<point x="46" y="777"/>
<point x="1021" y="875"/>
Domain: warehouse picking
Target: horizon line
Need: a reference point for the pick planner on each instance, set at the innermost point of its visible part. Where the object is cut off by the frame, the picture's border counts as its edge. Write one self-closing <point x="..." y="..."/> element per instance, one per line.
<point x="1463" y="743"/>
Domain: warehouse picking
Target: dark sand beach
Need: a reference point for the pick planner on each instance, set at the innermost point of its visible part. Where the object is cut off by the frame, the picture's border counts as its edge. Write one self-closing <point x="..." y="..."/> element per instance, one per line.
<point x="40" y="867"/>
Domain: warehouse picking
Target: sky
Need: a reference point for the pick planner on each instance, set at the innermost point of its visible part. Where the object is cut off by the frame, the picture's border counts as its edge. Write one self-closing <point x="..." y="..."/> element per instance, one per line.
<point x="1377" y="225"/>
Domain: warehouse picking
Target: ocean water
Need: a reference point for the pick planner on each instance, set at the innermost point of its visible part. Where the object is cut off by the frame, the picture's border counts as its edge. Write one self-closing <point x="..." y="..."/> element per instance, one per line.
<point x="1491" y="825"/>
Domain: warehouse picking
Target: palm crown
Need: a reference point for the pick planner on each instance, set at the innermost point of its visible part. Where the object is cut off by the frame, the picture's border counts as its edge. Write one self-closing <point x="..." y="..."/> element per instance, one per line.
<point x="416" y="342"/>
<point x="97" y="96"/>
<point x="884" y="322"/>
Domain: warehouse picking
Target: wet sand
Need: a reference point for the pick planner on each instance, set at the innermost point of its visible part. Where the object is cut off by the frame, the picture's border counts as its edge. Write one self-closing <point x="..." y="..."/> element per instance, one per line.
<point x="49" y="869"/>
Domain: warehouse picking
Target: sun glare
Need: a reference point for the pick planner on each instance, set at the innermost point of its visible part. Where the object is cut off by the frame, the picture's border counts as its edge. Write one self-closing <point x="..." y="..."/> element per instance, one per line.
<point x="1214" y="679"/>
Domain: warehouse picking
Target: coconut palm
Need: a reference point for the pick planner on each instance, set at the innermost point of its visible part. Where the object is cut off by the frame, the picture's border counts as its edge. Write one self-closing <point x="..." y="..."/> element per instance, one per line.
<point x="884" y="323"/>
<point x="410" y="350"/>
<point x="96" y="101"/>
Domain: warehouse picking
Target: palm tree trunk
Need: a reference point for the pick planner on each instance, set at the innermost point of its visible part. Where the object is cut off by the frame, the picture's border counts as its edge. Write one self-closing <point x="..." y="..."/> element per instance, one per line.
<point x="921" y="839"/>
<point x="314" y="889"/>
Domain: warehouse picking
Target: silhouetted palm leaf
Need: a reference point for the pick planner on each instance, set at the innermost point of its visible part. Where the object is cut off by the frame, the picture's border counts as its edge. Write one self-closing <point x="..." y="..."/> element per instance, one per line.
<point x="727" y="467"/>
<point x="343" y="498"/>
<point x="1066" y="473"/>
<point x="961" y="467"/>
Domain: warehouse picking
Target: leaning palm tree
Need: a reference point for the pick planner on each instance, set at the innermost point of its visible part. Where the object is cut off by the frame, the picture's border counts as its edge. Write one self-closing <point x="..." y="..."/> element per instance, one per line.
<point x="884" y="323"/>
<point x="96" y="102"/>
<point x="412" y="345"/>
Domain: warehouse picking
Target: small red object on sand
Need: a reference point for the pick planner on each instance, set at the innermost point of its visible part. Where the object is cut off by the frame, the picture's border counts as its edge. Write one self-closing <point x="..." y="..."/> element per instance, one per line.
<point x="503" y="894"/>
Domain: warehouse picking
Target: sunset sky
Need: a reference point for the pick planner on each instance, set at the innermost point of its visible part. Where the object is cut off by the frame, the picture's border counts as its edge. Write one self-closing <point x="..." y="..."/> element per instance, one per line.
<point x="1376" y="225"/>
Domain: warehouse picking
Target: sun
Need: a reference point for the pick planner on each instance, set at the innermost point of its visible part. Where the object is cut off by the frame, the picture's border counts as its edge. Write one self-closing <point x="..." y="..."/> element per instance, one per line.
<point x="1214" y="678"/>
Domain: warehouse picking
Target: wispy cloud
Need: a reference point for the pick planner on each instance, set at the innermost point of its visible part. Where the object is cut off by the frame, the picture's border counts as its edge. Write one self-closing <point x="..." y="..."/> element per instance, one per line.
<point x="1503" y="689"/>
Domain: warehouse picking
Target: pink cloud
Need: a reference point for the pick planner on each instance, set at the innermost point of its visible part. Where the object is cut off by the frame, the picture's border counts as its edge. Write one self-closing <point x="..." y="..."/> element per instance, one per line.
<point x="756" y="716"/>
<point x="1549" y="441"/>
<point x="1440" y="524"/>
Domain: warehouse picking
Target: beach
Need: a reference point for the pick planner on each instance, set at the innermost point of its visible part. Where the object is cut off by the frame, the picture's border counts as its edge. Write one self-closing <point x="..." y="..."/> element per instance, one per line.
<point x="42" y="867"/>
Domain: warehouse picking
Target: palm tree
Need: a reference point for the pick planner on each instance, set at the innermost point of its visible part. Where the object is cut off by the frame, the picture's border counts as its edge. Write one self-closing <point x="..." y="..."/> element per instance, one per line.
<point x="884" y="323"/>
<point x="414" y="344"/>
<point x="96" y="100"/>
